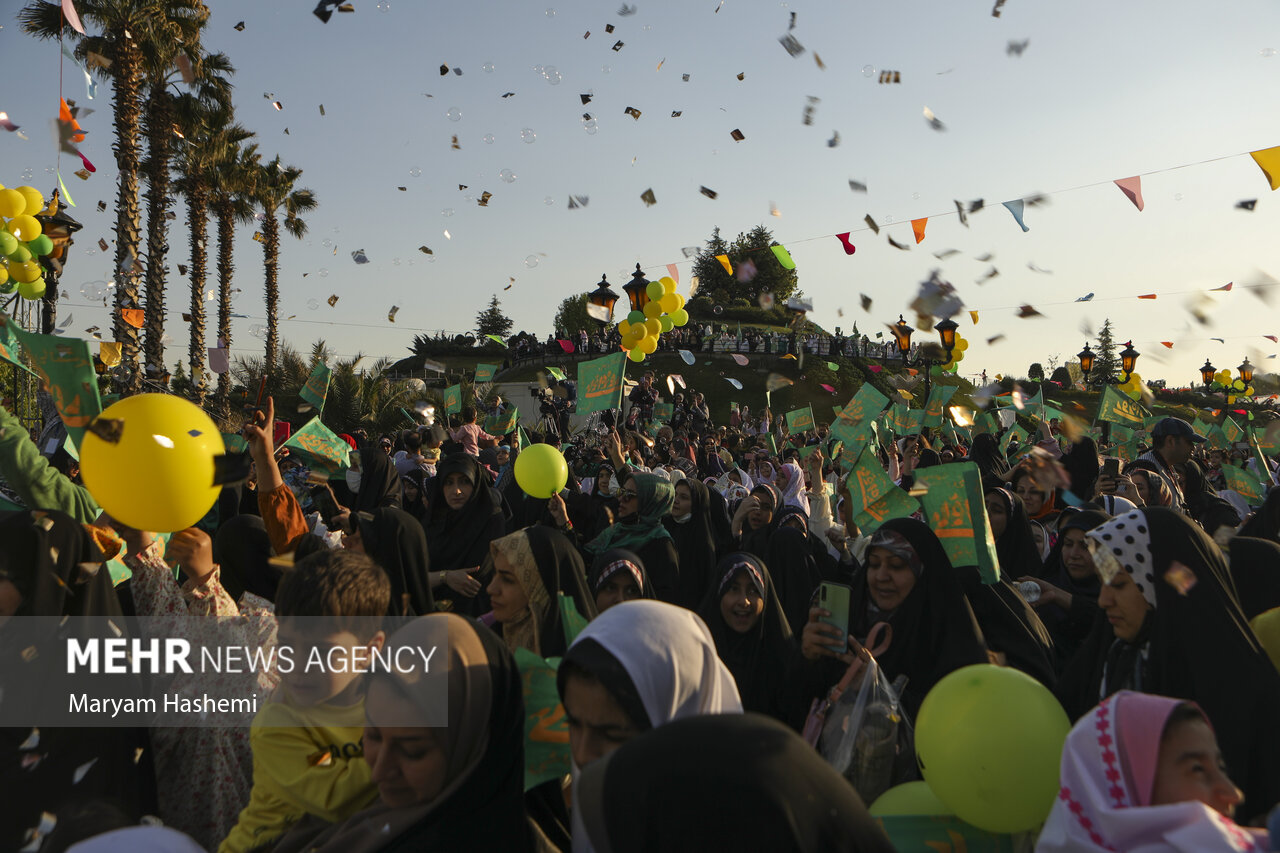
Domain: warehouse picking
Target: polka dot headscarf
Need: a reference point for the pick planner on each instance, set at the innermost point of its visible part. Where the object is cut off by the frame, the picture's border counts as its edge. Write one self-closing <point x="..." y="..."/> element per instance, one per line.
<point x="1124" y="544"/>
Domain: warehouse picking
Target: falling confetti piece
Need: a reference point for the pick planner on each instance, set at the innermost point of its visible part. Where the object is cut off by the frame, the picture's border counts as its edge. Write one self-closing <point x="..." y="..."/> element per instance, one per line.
<point x="742" y="76"/>
<point x="1180" y="577"/>
<point x="333" y="300"/>
<point x="81" y="771"/>
<point x="447" y="235"/>
<point x="279" y="106"/>
<point x="1027" y="311"/>
<point x="1015" y="48"/>
<point x="391" y="315"/>
<point x="1240" y="205"/>
<point x="709" y="193"/>
<point x="102" y="244"/>
<point x="740" y="359"/>
<point x="1148" y="296"/>
<point x="834" y="140"/>
<point x="239" y="27"/>
<point x="776" y="381"/>
<point x="933" y="120"/>
<point x="871" y="223"/>
<point x="617" y="46"/>
<point x="1224" y="288"/>
<point x="686" y="356"/>
<point x="895" y="244"/>
<point x="648" y="198"/>
<point x="866" y="302"/>
<point x="737" y="135"/>
<point x="677" y="113"/>
<point x="857" y="186"/>
<point x="735" y="383"/>
<point x="946" y="253"/>
<point x="633" y="112"/>
<point x="32" y="741"/>
<point x="791" y="45"/>
<point x="425" y="250"/>
<point x="1086" y="298"/>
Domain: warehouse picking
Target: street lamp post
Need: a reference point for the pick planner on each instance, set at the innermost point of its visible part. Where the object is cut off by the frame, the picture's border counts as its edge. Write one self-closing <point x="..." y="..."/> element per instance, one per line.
<point x="1128" y="360"/>
<point x="1206" y="375"/>
<point x="637" y="290"/>
<point x="604" y="299"/>
<point x="902" y="337"/>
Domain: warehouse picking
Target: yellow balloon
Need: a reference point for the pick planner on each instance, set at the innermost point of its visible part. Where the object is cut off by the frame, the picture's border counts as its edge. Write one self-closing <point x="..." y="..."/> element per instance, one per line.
<point x="679" y="301"/>
<point x="649" y="345"/>
<point x="1249" y="390"/>
<point x="961" y="343"/>
<point x="668" y="303"/>
<point x="25" y="272"/>
<point x="668" y="284"/>
<point x="159" y="475"/>
<point x="4" y="273"/>
<point x="35" y="201"/>
<point x="636" y="354"/>
<point x="25" y="228"/>
<point x="12" y="203"/>
<point x="623" y="328"/>
<point x="653" y="309"/>
<point x="653" y="326"/>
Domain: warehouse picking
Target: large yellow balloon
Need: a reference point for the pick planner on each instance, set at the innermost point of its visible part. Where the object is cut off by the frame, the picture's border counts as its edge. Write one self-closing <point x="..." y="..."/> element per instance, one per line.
<point x="623" y="328"/>
<point x="4" y="273"/>
<point x="653" y="309"/>
<point x="26" y="271"/>
<point x="679" y="301"/>
<point x="669" y="303"/>
<point x="541" y="470"/>
<point x="989" y="742"/>
<point x="35" y="201"/>
<point x="25" y="228"/>
<point x="159" y="475"/>
<point x="653" y="326"/>
<point x="668" y="284"/>
<point x="649" y="345"/>
<point x="12" y="203"/>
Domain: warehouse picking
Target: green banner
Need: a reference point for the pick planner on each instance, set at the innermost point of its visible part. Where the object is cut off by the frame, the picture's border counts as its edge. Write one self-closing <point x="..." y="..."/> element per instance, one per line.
<point x="453" y="399"/>
<point x="937" y="404"/>
<point x="1232" y="430"/>
<point x="321" y="450"/>
<point x="1117" y="408"/>
<point x="958" y="515"/>
<point x="600" y="383"/>
<point x="663" y="412"/>
<point x="800" y="420"/>
<point x="985" y="422"/>
<point x="875" y="498"/>
<point x="1260" y="460"/>
<point x="907" y="421"/>
<point x="66" y="367"/>
<point x="1033" y="406"/>
<point x="234" y="442"/>
<point x="1244" y="483"/>
<point x="1018" y="433"/>
<point x="858" y="415"/>
<point x="546" y="731"/>
<point x="1217" y="438"/>
<point x="9" y="343"/>
<point x="317" y="387"/>
<point x="486" y="372"/>
<point x="1126" y="451"/>
<point x="502" y="424"/>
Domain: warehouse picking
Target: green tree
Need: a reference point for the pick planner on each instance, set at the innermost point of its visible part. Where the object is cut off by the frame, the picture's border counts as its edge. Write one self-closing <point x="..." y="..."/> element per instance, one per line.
<point x="1105" y="361"/>
<point x="754" y="248"/>
<point x="572" y="316"/>
<point x="275" y="191"/>
<point x="130" y="30"/>
<point x="1036" y="371"/>
<point x="491" y="321"/>
<point x="230" y="185"/>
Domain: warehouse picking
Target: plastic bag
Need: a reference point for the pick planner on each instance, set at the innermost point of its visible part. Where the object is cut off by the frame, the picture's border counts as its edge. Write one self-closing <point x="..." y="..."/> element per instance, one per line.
<point x="867" y="736"/>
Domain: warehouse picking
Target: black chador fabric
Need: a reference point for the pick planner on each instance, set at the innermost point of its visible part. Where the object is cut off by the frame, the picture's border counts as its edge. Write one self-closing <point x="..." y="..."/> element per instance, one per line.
<point x="396" y="542"/>
<point x="1255" y="569"/>
<point x="459" y="539"/>
<point x="243" y="551"/>
<point x="695" y="543"/>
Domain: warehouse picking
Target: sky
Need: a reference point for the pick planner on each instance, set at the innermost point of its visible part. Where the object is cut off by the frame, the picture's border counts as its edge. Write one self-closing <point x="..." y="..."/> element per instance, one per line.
<point x="1176" y="92"/>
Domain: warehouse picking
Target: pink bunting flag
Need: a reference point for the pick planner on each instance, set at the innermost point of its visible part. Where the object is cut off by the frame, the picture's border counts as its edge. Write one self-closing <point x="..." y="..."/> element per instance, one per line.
<point x="1224" y="287"/>
<point x="875" y="368"/>
<point x="827" y="388"/>
<point x="73" y="19"/>
<point x="1132" y="187"/>
<point x="567" y="346"/>
<point x="674" y="272"/>
<point x="741" y="359"/>
<point x="849" y="248"/>
<point x="1272" y="338"/>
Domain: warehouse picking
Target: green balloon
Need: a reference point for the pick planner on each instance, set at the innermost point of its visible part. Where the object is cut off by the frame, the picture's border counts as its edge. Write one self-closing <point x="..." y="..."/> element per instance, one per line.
<point x="8" y="242"/>
<point x="41" y="245"/>
<point x="20" y="254"/>
<point x="666" y="322"/>
<point x="655" y="290"/>
<point x="635" y="317"/>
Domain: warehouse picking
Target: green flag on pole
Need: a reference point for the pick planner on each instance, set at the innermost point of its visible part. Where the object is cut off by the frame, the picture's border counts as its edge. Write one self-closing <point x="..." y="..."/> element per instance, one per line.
<point x="66" y="367"/>
<point x="663" y="412"/>
<point x="1119" y="409"/>
<point x="800" y="420"/>
<point x="546" y="731"/>
<point x="317" y="387"/>
<point x="320" y="449"/>
<point x="485" y="372"/>
<point x="958" y="515"/>
<point x="1245" y="484"/>
<point x="453" y="399"/>
<point x="600" y="383"/>
<point x="937" y="404"/>
<point x="875" y="498"/>
<point x="1260" y="460"/>
<point x="9" y="343"/>
<point x="504" y="423"/>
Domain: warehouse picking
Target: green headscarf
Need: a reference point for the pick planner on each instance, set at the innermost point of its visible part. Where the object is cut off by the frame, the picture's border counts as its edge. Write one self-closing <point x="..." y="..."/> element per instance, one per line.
<point x="654" y="497"/>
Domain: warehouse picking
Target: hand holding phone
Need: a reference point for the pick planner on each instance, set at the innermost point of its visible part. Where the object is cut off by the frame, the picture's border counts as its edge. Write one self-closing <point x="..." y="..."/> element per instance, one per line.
<point x="834" y="598"/>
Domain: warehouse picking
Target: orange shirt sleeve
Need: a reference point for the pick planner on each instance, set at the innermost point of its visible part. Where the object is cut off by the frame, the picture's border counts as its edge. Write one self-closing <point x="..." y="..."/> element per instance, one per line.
<point x="283" y="518"/>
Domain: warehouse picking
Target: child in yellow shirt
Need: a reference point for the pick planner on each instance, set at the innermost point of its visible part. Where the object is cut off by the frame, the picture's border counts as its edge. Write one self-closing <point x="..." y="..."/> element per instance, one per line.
<point x="307" y="752"/>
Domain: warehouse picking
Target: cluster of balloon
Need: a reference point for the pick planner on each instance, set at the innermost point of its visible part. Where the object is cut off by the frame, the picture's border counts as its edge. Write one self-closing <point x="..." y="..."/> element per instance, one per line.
<point x="541" y="471"/>
<point x="957" y="355"/>
<point x="989" y="743"/>
<point x="21" y="242"/>
<point x="151" y="461"/>
<point x="662" y="313"/>
<point x="1133" y="386"/>
<point x="1222" y="381"/>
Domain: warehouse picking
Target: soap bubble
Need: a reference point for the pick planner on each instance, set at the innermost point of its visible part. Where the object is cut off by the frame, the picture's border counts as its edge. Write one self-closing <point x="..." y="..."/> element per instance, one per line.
<point x="313" y="304"/>
<point x="27" y="174"/>
<point x="448" y="211"/>
<point x="553" y="78"/>
<point x="868" y="71"/>
<point x="488" y="139"/>
<point x="395" y="262"/>
<point x="538" y="69"/>
<point x="1268" y="52"/>
<point x="1177" y="196"/>
<point x="508" y="176"/>
<point x="916" y="196"/>
<point x="415" y="172"/>
<point x="323" y="272"/>
<point x="527" y="136"/>
<point x="531" y="261"/>
<point x="605" y="69"/>
<point x="258" y="330"/>
<point x="327" y="243"/>
<point x="454" y="114"/>
<point x="718" y="310"/>
<point x="487" y="68"/>
<point x="551" y="13"/>
<point x="384" y="6"/>
<point x="548" y="201"/>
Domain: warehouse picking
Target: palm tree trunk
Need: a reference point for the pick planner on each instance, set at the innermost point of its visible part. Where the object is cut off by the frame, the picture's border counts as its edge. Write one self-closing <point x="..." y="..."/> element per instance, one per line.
<point x="160" y="150"/>
<point x="198" y="220"/>
<point x="126" y="93"/>
<point x="226" y="269"/>
<point x="271" y="257"/>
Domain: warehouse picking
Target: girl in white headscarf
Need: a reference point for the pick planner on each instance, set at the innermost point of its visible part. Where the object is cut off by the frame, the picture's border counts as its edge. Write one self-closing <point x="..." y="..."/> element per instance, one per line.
<point x="793" y="489"/>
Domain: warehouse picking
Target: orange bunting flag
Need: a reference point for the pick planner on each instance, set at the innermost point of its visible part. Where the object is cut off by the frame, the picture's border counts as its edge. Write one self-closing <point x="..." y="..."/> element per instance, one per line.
<point x="917" y="228"/>
<point x="1168" y="344"/>
<point x="973" y="315"/>
<point x="133" y="316"/>
<point x="724" y="262"/>
<point x="1147" y="296"/>
<point x="1132" y="187"/>
<point x="1224" y="287"/>
<point x="1268" y="160"/>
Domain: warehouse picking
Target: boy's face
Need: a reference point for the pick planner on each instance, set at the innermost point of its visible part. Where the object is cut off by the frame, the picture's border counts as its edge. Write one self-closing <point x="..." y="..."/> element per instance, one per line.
<point x="336" y="660"/>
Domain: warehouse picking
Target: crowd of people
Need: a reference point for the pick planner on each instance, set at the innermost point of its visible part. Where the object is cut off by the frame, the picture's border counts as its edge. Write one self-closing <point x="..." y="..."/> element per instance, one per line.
<point x="670" y="591"/>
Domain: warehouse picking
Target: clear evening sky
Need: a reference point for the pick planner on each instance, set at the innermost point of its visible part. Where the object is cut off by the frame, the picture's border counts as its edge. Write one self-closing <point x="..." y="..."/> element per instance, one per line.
<point x="1102" y="91"/>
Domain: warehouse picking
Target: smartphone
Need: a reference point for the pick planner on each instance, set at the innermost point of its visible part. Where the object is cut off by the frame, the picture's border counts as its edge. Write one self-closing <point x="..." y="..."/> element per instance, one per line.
<point x="322" y="497"/>
<point x="1111" y="467"/>
<point x="834" y="598"/>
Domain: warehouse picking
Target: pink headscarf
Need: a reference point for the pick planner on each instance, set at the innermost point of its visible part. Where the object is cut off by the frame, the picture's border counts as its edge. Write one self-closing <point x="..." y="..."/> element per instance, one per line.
<point x="1108" y="775"/>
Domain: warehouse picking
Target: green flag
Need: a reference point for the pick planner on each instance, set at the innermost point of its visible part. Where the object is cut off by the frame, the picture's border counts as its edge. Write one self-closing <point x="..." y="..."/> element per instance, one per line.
<point x="663" y="412"/>
<point x="453" y="399"/>
<point x="1244" y="483"/>
<point x="320" y="449"/>
<point x="800" y="420"/>
<point x="907" y="421"/>
<point x="556" y="373"/>
<point x="66" y="367"/>
<point x="1260" y="460"/>
<point x="942" y="832"/>
<point x="9" y="343"/>
<point x="1217" y="438"/>
<point x="317" y="387"/>
<point x="1034" y="405"/>
<point x="234" y="442"/>
<point x="957" y="513"/>
<point x="861" y="411"/>
<point x="1232" y="431"/>
<point x="600" y="383"/>
<point x="1126" y="451"/>
<point x="502" y="424"/>
<point x="522" y="437"/>
<point x="937" y="403"/>
<point x="485" y="372"/>
<point x="1117" y="408"/>
<point x="875" y="498"/>
<point x="773" y="444"/>
<point x="1018" y="433"/>
<point x="546" y="731"/>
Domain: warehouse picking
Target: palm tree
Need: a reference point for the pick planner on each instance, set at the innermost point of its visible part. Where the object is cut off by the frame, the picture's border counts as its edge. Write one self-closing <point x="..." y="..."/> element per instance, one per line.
<point x="130" y="30"/>
<point x="231" y="182"/>
<point x="275" y="193"/>
<point x="211" y="135"/>
<point x="210" y="85"/>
